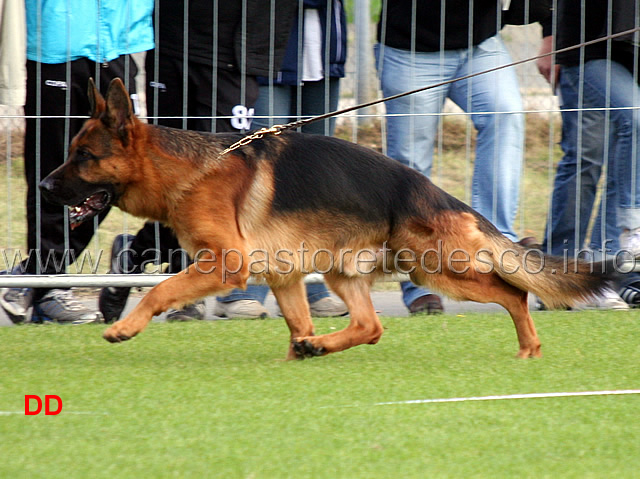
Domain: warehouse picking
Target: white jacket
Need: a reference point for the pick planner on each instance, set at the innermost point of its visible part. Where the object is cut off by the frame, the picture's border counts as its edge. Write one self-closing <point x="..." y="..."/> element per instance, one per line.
<point x="13" y="73"/>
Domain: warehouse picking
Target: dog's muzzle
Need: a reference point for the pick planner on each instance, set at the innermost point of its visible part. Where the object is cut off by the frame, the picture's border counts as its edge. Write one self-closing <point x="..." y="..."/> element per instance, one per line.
<point x="80" y="209"/>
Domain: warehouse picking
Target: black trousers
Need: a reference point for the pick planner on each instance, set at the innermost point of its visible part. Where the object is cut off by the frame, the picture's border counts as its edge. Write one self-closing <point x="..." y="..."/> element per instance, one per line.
<point x="207" y="93"/>
<point x="59" y="90"/>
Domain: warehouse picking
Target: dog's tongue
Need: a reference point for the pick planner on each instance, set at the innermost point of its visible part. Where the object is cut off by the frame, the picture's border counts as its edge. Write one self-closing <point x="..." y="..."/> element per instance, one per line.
<point x="87" y="209"/>
<point x="96" y="201"/>
<point x="77" y="215"/>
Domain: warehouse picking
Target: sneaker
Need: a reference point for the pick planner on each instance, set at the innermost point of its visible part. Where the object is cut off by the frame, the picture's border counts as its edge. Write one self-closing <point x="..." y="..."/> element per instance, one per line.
<point x="61" y="306"/>
<point x="327" y="308"/>
<point x="242" y="308"/>
<point x="539" y="305"/>
<point x="631" y="294"/>
<point x="607" y="300"/>
<point x="16" y="302"/>
<point x="630" y="241"/>
<point x="112" y="300"/>
<point x="190" y="312"/>
<point x="323" y="308"/>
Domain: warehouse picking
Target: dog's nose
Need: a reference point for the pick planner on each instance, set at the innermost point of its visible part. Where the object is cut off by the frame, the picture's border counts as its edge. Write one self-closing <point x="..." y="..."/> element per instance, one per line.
<point x="48" y="187"/>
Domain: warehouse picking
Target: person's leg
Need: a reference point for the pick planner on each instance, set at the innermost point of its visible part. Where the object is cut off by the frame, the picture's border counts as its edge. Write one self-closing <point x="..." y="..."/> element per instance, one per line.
<point x="46" y="144"/>
<point x="494" y="99"/>
<point x="273" y="107"/>
<point x="610" y="85"/>
<point x="318" y="98"/>
<point x="59" y="90"/>
<point x="574" y="193"/>
<point x="604" y="238"/>
<point x="412" y="122"/>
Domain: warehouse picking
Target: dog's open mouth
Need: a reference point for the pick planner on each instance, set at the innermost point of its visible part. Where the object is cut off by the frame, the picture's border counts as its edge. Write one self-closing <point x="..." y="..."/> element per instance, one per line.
<point x="90" y="207"/>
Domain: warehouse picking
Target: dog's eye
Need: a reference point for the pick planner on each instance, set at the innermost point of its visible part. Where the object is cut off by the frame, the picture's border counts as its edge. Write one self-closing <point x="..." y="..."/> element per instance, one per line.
<point x="84" y="155"/>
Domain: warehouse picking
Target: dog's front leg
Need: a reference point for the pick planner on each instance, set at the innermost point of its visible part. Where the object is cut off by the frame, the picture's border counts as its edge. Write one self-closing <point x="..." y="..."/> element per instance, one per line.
<point x="183" y="288"/>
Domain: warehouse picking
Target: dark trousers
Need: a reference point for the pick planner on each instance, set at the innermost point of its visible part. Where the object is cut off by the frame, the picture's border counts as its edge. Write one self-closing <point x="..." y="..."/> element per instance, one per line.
<point x="59" y="90"/>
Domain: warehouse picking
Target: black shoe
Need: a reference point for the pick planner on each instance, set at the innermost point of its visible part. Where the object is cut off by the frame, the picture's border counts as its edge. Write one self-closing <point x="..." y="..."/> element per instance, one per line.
<point x="428" y="304"/>
<point x="113" y="299"/>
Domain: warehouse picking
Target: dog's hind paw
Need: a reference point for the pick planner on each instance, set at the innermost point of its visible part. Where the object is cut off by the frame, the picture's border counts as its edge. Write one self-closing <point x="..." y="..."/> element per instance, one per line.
<point x="532" y="352"/>
<point x="306" y="349"/>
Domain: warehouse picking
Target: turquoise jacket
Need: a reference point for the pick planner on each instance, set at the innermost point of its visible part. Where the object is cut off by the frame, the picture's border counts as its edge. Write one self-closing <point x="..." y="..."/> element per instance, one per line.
<point x="101" y="30"/>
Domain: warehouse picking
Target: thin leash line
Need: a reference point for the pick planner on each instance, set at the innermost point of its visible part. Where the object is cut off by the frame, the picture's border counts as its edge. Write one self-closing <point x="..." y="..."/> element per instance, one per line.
<point x="278" y="129"/>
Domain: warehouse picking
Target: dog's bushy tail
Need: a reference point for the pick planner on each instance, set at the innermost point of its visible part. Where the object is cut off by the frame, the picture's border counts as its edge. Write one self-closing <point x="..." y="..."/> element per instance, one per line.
<point x="557" y="281"/>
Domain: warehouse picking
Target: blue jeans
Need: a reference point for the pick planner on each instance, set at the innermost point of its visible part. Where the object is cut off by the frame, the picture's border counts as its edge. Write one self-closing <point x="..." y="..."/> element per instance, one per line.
<point x="413" y="120"/>
<point x="287" y="103"/>
<point x="608" y="84"/>
<point x="574" y="194"/>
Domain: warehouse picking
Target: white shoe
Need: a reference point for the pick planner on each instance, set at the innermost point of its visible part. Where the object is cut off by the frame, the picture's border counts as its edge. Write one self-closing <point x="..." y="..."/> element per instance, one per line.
<point x="630" y="241"/>
<point x="242" y="308"/>
<point x="324" y="308"/>
<point x="607" y="300"/>
<point x="16" y="303"/>
<point x="327" y="308"/>
<point x="62" y="306"/>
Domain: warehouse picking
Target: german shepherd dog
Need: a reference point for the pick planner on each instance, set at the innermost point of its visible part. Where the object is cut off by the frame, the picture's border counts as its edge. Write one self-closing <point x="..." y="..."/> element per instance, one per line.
<point x="294" y="203"/>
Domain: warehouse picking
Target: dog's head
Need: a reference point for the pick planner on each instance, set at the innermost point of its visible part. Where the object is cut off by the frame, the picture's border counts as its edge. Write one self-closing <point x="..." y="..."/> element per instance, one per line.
<point x="101" y="157"/>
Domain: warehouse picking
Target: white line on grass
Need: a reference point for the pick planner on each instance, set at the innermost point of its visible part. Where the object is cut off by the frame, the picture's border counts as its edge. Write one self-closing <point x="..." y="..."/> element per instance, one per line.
<point x="618" y="392"/>
<point x="515" y="396"/>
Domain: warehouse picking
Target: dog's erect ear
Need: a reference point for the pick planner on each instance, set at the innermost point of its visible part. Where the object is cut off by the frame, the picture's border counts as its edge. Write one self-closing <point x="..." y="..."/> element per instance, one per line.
<point x="96" y="102"/>
<point x="119" y="111"/>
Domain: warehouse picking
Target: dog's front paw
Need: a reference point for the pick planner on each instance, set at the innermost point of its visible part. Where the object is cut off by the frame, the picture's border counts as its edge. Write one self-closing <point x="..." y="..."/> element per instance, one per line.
<point x="304" y="348"/>
<point x="117" y="334"/>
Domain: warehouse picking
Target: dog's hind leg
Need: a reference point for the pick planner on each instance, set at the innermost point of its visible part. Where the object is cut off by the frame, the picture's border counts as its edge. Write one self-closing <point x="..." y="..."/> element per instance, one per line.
<point x="495" y="290"/>
<point x="490" y="288"/>
<point x="364" y="327"/>
<point x="292" y="299"/>
<point x="518" y="308"/>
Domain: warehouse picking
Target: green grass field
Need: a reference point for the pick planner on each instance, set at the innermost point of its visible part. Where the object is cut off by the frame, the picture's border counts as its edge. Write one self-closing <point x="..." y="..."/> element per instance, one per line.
<point x="215" y="399"/>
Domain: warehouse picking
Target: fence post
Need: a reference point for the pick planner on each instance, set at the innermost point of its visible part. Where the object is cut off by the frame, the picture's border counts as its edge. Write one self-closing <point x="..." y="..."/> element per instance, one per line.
<point x="364" y="53"/>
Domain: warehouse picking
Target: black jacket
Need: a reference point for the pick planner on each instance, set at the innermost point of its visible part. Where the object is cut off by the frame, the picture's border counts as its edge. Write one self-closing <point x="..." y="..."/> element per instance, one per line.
<point x="487" y="19"/>
<point x="226" y="28"/>
<point x="598" y="15"/>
